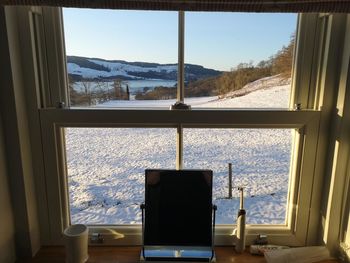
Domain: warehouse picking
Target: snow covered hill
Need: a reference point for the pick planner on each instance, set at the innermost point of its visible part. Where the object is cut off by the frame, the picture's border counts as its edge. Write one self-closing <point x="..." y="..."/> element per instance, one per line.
<point x="95" y="68"/>
<point x="264" y="83"/>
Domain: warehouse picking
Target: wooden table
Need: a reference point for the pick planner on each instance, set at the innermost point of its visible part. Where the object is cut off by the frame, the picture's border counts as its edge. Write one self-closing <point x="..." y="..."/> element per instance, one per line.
<point x="132" y="255"/>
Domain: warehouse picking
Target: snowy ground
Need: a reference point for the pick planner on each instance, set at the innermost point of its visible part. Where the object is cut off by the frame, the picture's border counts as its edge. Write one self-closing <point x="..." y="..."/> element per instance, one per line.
<point x="106" y="165"/>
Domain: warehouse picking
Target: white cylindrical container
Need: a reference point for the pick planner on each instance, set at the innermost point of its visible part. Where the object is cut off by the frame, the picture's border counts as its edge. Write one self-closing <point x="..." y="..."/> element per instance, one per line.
<point x="76" y="243"/>
<point x="240" y="237"/>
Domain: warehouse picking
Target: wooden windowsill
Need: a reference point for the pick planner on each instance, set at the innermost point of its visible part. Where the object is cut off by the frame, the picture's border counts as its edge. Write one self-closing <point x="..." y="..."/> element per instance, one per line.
<point x="132" y="255"/>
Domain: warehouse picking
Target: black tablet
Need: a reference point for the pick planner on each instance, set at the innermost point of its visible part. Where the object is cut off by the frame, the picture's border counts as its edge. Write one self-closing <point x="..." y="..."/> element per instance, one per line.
<point x="178" y="208"/>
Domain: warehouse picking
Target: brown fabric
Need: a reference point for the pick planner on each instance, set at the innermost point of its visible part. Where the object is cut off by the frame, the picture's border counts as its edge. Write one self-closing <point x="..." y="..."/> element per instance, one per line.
<point x="297" y="6"/>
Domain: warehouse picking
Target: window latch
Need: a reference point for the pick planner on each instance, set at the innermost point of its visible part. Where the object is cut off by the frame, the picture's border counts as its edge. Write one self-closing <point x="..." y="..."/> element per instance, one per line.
<point x="61" y="105"/>
<point x="297" y="106"/>
<point x="96" y="238"/>
<point x="180" y="106"/>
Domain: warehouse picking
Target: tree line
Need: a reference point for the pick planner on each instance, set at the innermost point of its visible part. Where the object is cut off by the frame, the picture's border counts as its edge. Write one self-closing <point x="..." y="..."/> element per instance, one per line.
<point x="96" y="92"/>
<point x="244" y="73"/>
<point x="237" y="78"/>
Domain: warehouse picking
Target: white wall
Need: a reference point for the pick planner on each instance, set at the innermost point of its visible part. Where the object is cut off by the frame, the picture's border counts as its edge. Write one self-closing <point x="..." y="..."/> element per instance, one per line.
<point x="16" y="149"/>
<point x="7" y="232"/>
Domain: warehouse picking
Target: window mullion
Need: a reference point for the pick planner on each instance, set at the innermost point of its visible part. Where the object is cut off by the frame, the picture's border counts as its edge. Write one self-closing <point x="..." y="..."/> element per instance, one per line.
<point x="180" y="86"/>
<point x="181" y="71"/>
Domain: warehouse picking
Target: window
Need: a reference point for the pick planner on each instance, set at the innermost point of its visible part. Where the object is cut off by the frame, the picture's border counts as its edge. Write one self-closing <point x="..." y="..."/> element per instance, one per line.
<point x="113" y="60"/>
<point x="260" y="161"/>
<point x="119" y="58"/>
<point x="105" y="169"/>
<point x="182" y="137"/>
<point x="118" y="81"/>
<point x="248" y="52"/>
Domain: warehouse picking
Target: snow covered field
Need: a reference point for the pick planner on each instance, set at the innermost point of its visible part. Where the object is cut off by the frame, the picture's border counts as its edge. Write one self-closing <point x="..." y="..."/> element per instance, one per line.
<point x="106" y="165"/>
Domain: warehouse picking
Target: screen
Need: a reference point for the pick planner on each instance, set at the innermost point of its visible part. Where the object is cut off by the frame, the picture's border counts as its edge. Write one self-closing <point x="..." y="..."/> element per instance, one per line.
<point x="178" y="208"/>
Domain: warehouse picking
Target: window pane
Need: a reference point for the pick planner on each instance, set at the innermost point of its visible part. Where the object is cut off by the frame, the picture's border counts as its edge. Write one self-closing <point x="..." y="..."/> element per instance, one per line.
<point x="260" y="162"/>
<point x="241" y="57"/>
<point x="119" y="58"/>
<point x="106" y="168"/>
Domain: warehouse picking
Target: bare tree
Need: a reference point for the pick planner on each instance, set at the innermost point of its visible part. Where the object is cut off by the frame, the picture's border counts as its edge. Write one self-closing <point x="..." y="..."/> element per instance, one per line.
<point x="117" y="84"/>
<point x="101" y="92"/>
<point x="87" y="90"/>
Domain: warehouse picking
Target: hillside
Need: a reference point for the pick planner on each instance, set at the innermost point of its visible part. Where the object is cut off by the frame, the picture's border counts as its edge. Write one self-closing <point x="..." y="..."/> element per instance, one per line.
<point x="263" y="83"/>
<point x="81" y="68"/>
<point x="234" y="81"/>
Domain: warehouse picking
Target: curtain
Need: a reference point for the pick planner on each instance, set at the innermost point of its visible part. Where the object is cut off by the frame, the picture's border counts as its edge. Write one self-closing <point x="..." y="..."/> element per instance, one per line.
<point x="297" y="6"/>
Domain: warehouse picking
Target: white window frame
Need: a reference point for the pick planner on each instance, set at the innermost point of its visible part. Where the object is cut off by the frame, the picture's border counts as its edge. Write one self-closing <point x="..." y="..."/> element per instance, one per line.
<point x="306" y="122"/>
<point x="299" y="226"/>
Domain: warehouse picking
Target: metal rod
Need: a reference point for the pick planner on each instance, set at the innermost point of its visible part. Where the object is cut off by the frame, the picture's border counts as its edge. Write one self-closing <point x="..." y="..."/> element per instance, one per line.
<point x="214" y="208"/>
<point x="181" y="59"/>
<point x="142" y="207"/>
<point x="229" y="180"/>
<point x="241" y="204"/>
<point x="179" y="148"/>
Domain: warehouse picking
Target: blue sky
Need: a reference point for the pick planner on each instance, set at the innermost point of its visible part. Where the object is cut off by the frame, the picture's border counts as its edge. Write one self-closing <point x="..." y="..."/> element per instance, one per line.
<point x="214" y="40"/>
